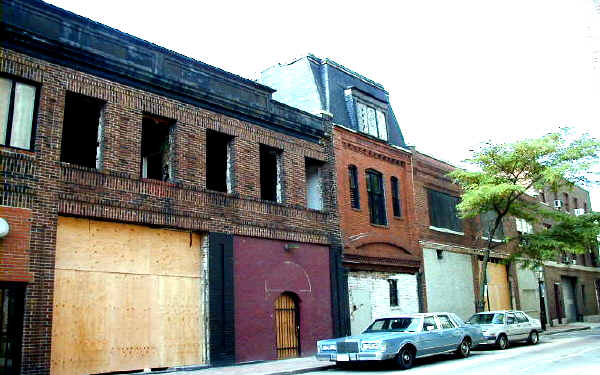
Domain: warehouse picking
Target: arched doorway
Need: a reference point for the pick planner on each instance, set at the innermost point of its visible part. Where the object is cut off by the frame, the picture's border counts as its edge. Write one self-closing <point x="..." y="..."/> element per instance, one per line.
<point x="287" y="326"/>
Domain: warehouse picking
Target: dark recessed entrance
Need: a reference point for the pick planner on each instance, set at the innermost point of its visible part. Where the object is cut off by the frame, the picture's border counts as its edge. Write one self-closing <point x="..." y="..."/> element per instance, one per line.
<point x="12" y="297"/>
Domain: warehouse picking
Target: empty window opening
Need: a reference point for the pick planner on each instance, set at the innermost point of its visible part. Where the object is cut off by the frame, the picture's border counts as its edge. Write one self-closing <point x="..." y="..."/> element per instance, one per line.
<point x="219" y="170"/>
<point x="270" y="174"/>
<point x="353" y="181"/>
<point x="82" y="131"/>
<point x="314" y="184"/>
<point x="17" y="112"/>
<point x="156" y="148"/>
<point x="396" y="207"/>
<point x="376" y="197"/>
<point x="393" y="292"/>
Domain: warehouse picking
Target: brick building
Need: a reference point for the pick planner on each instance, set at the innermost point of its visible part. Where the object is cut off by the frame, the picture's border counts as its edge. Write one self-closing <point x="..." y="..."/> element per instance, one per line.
<point x="572" y="282"/>
<point x="374" y="169"/>
<point x="162" y="212"/>
<point x="452" y="247"/>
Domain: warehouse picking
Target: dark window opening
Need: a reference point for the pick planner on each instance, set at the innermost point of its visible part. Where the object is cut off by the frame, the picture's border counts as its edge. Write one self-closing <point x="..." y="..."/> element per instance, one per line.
<point x="314" y="184"/>
<point x="396" y="208"/>
<point x="17" y="113"/>
<point x="566" y="200"/>
<point x="440" y="254"/>
<point x="218" y="161"/>
<point x="354" y="194"/>
<point x="376" y="197"/>
<point x="12" y="301"/>
<point x="270" y="174"/>
<point x="393" y="292"/>
<point x="585" y="210"/>
<point x="575" y="203"/>
<point x="443" y="212"/>
<point x="156" y="148"/>
<point x="488" y="220"/>
<point x="82" y="131"/>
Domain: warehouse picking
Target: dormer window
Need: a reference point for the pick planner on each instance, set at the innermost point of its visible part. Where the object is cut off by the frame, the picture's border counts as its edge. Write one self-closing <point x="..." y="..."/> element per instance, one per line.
<point x="371" y="120"/>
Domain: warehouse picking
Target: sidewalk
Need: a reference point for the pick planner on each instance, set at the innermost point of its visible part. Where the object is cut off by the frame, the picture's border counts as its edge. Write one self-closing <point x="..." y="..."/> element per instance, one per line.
<point x="577" y="326"/>
<point x="281" y="367"/>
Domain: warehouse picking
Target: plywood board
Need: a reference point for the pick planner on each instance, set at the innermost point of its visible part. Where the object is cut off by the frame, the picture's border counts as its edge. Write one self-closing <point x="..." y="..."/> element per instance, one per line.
<point x="498" y="287"/>
<point x="126" y="297"/>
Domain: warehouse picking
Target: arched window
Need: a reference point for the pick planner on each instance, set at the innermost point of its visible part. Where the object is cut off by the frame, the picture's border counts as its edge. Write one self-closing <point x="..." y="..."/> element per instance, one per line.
<point x="376" y="197"/>
<point x="396" y="207"/>
<point x="353" y="179"/>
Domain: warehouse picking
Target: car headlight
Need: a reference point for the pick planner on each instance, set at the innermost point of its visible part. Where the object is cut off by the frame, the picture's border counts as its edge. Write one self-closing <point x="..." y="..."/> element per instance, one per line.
<point x="328" y="347"/>
<point x="373" y="345"/>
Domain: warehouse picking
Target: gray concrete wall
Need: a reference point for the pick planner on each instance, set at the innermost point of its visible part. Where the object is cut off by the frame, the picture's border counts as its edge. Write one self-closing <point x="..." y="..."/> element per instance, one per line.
<point x="529" y="295"/>
<point x="449" y="282"/>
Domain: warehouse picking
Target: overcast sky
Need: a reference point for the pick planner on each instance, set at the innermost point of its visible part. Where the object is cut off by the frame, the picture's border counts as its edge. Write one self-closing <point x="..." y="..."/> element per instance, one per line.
<point x="458" y="72"/>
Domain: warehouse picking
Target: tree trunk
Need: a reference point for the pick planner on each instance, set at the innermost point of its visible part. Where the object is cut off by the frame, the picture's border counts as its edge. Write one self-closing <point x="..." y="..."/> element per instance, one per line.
<point x="480" y="305"/>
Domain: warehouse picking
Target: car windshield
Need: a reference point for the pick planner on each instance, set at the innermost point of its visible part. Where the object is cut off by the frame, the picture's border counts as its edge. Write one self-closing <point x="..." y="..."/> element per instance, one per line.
<point x="395" y="325"/>
<point x="487" y="319"/>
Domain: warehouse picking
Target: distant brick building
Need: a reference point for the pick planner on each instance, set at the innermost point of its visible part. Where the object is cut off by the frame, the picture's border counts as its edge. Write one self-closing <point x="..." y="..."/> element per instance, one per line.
<point x="374" y="169"/>
<point x="572" y="282"/>
<point x="163" y="212"/>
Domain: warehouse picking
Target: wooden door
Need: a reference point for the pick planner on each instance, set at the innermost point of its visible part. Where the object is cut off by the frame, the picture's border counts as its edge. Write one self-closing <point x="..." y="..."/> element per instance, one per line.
<point x="287" y="325"/>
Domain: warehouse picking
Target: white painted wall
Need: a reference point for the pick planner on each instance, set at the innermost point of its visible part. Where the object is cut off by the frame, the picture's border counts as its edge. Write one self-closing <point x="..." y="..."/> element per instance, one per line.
<point x="370" y="297"/>
<point x="449" y="282"/>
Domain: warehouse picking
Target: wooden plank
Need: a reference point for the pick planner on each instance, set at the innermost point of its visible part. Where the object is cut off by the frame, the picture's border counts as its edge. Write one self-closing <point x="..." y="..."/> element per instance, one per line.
<point x="126" y="297"/>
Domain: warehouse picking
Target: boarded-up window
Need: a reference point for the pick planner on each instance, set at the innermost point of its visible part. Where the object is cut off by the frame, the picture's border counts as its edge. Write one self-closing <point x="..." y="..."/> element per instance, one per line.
<point x="17" y="110"/>
<point x="396" y="208"/>
<point x="353" y="182"/>
<point x="314" y="184"/>
<point x="376" y="197"/>
<point x="371" y="121"/>
<point x="82" y="131"/>
<point x="270" y="174"/>
<point x="443" y="212"/>
<point x="219" y="163"/>
<point x="488" y="220"/>
<point x="156" y="148"/>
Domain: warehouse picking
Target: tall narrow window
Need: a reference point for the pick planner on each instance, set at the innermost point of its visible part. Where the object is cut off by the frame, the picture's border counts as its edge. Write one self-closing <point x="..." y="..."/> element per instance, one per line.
<point x="393" y="292"/>
<point x="353" y="182"/>
<point x="396" y="207"/>
<point x="82" y="131"/>
<point x="156" y="148"/>
<point x="270" y="174"/>
<point x="566" y="202"/>
<point x="543" y="196"/>
<point x="376" y="197"/>
<point x="575" y="203"/>
<point x="219" y="164"/>
<point x="17" y="107"/>
<point x="314" y="184"/>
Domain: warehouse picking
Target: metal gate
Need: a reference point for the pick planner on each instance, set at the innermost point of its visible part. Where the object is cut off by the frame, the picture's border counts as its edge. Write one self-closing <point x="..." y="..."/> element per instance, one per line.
<point x="287" y="324"/>
<point x="12" y="298"/>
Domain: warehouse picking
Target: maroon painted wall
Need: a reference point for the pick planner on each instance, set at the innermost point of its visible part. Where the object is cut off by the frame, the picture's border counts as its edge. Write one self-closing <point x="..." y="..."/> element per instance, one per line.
<point x="262" y="271"/>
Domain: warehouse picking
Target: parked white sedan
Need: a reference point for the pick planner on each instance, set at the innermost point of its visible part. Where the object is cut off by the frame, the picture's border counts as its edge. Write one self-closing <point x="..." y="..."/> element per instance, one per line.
<point x="503" y="327"/>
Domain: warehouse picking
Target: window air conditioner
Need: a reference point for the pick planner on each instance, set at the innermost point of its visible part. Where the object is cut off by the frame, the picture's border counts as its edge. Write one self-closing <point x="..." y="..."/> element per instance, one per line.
<point x="579" y="211"/>
<point x="573" y="261"/>
<point x="557" y="203"/>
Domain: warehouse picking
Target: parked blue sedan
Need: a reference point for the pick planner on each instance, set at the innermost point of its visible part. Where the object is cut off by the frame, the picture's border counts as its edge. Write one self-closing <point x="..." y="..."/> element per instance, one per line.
<point x="402" y="339"/>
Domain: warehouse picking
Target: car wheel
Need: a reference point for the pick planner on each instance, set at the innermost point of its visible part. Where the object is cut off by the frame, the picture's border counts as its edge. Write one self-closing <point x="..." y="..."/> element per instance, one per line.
<point x="464" y="349"/>
<point x="534" y="338"/>
<point x="502" y="342"/>
<point x="405" y="358"/>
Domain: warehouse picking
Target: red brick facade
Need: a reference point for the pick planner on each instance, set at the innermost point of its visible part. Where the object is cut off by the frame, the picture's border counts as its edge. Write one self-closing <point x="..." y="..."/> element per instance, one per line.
<point x="368" y="246"/>
<point x="15" y="247"/>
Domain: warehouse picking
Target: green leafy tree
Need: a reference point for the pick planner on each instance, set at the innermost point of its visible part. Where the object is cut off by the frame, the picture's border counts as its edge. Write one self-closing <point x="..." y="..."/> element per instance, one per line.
<point x="503" y="174"/>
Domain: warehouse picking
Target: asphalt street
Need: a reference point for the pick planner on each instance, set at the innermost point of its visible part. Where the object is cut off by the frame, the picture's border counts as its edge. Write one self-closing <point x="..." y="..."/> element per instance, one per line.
<point x="571" y="353"/>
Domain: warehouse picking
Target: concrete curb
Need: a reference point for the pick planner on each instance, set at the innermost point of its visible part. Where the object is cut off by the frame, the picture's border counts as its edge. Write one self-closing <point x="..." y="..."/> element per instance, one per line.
<point x="546" y="333"/>
<point x="303" y="370"/>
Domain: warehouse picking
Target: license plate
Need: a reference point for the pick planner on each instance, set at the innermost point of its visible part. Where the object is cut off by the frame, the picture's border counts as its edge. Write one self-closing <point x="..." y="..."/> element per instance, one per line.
<point x="342" y="357"/>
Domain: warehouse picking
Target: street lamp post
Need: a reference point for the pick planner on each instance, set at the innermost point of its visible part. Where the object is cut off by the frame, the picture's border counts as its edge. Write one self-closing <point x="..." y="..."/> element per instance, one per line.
<point x="539" y="271"/>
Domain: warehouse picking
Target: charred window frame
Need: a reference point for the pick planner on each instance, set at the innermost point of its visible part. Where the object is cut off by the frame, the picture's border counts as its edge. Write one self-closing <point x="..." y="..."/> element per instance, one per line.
<point x="314" y="183"/>
<point x="18" y="112"/>
<point x="396" y="206"/>
<point x="219" y="162"/>
<point x="271" y="174"/>
<point x="82" y="131"/>
<point x="156" y="148"/>
<point x="443" y="212"/>
<point x="353" y="182"/>
<point x="376" y="196"/>
<point x="393" y="283"/>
